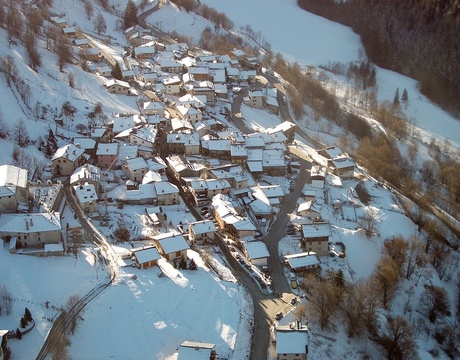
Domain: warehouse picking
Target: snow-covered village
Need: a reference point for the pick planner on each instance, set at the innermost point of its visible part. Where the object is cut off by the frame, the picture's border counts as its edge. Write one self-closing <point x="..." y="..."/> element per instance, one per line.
<point x="164" y="199"/>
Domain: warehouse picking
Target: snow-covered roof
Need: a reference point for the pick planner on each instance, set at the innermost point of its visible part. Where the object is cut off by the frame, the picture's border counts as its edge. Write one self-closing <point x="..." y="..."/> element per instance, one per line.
<point x="88" y="172"/>
<point x="10" y="177"/>
<point x="151" y="176"/>
<point x="136" y="163"/>
<point x="257" y="249"/>
<point x="202" y="227"/>
<point x="297" y="261"/>
<point x="165" y="187"/>
<point x="187" y="110"/>
<point x="172" y="242"/>
<point x="343" y="162"/>
<point x="123" y="123"/>
<point x="331" y="152"/>
<point x="316" y="230"/>
<point x="153" y="106"/>
<point x="147" y="255"/>
<point x="291" y="340"/>
<point x="238" y="150"/>
<point x="127" y="151"/>
<point x="156" y="163"/>
<point x="85" y="193"/>
<point x="244" y="224"/>
<point x="30" y="223"/>
<point x="145" y="191"/>
<point x="84" y="142"/>
<point x="69" y="152"/>
<point x="121" y="83"/>
<point x="255" y="166"/>
<point x="107" y="149"/>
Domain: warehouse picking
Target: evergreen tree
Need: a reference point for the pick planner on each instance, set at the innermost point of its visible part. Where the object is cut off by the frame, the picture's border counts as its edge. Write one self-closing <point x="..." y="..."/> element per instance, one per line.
<point x="18" y="334"/>
<point x="130" y="16"/>
<point x="23" y="323"/>
<point x="52" y="141"/>
<point x="396" y="98"/>
<point x="116" y="72"/>
<point x="405" y="96"/>
<point x="19" y="134"/>
<point x="338" y="280"/>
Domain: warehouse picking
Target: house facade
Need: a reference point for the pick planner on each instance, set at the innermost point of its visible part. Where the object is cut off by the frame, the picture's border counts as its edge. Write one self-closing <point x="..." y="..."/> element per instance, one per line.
<point x="316" y="237"/>
<point x="14" y="189"/>
<point x="66" y="159"/>
<point x="33" y="230"/>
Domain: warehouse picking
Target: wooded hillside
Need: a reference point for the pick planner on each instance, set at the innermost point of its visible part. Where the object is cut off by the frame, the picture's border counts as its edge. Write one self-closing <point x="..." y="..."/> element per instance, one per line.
<point x="415" y="38"/>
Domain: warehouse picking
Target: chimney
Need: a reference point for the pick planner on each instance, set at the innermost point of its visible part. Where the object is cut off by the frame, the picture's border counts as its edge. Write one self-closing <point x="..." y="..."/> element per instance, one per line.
<point x="31" y="223"/>
<point x="27" y="225"/>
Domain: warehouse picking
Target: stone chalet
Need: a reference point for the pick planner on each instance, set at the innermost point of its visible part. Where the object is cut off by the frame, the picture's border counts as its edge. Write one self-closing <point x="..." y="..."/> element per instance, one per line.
<point x="145" y="52"/>
<point x="135" y="169"/>
<point x="167" y="193"/>
<point x="233" y="174"/>
<point x="87" y="197"/>
<point x="172" y="85"/>
<point x="288" y="128"/>
<point x="115" y="86"/>
<point x="31" y="230"/>
<point x="181" y="169"/>
<point x="146" y="257"/>
<point x="316" y="237"/>
<point x="183" y="143"/>
<point x="239" y="154"/>
<point x="216" y="148"/>
<point x="87" y="174"/>
<point x="172" y="245"/>
<point x="292" y="341"/>
<point x="202" y="232"/>
<point x="107" y="154"/>
<point x="14" y="189"/>
<point x="154" y="107"/>
<point x="171" y="66"/>
<point x="342" y="166"/>
<point x="318" y="176"/>
<point x="229" y="220"/>
<point x="204" y="190"/>
<point x="66" y="159"/>
<point x="255" y="99"/>
<point x="142" y="135"/>
<point x="87" y="144"/>
<point x="189" y="113"/>
<point x="305" y="209"/>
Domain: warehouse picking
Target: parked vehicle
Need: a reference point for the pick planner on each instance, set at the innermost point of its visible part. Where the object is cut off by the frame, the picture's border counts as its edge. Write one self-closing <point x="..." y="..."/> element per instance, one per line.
<point x="278" y="315"/>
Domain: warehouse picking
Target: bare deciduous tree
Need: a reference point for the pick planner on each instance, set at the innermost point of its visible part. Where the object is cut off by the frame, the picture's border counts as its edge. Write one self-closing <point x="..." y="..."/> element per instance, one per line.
<point x="323" y="303"/>
<point x="415" y="257"/>
<point x="397" y="339"/>
<point x="368" y="222"/>
<point x="434" y="302"/>
<point x="9" y="68"/>
<point x="100" y="25"/>
<point x="19" y="133"/>
<point x="386" y="278"/>
<point x="395" y="248"/>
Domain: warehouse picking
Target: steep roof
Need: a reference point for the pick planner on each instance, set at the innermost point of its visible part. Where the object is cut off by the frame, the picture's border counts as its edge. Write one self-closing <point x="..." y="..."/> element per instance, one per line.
<point x="10" y="177"/>
<point x="30" y="223"/>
